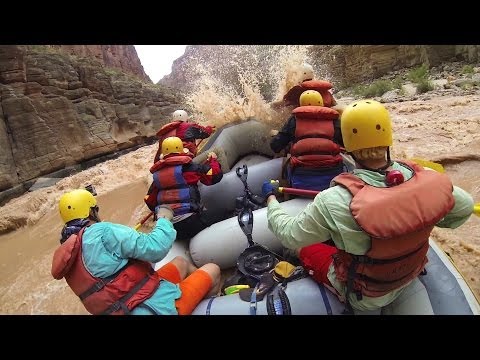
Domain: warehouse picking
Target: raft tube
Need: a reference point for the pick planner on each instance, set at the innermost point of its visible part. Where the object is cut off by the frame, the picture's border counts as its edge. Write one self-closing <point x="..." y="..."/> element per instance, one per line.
<point x="442" y="291"/>
<point x="237" y="144"/>
<point x="222" y="195"/>
<point x="237" y="140"/>
<point x="179" y="248"/>
<point x="223" y="242"/>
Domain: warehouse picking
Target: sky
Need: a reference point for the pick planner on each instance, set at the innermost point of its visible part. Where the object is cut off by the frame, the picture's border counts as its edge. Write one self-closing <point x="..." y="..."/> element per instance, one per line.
<point x="157" y="60"/>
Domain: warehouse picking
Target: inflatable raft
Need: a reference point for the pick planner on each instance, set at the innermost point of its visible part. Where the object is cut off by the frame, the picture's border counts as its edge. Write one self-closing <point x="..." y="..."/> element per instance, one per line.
<point x="442" y="290"/>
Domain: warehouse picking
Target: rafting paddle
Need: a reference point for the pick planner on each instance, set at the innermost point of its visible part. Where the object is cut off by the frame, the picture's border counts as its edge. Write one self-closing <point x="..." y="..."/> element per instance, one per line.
<point x="143" y="221"/>
<point x="294" y="191"/>
<point x="430" y="164"/>
<point x="313" y="193"/>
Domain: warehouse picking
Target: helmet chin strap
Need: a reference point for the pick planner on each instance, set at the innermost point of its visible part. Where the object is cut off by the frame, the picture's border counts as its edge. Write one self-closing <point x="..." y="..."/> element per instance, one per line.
<point x="380" y="170"/>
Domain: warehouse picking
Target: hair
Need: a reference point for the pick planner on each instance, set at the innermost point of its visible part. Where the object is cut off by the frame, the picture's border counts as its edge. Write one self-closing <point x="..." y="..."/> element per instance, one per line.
<point x="374" y="153"/>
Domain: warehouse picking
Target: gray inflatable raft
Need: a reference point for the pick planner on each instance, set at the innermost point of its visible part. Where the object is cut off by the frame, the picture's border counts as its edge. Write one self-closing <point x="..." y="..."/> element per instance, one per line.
<point x="441" y="291"/>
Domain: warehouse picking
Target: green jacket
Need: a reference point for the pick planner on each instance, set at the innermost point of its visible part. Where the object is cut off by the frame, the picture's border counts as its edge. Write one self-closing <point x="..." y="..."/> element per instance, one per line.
<point x="328" y="217"/>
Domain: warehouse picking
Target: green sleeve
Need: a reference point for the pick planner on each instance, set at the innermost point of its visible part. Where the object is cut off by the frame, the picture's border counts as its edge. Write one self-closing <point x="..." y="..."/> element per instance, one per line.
<point x="461" y="211"/>
<point x="306" y="228"/>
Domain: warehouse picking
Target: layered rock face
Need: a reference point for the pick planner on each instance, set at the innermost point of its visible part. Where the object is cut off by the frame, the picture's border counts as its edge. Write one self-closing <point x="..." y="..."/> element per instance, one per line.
<point x="345" y="64"/>
<point x="58" y="109"/>
<point x="123" y="57"/>
<point x="350" y="64"/>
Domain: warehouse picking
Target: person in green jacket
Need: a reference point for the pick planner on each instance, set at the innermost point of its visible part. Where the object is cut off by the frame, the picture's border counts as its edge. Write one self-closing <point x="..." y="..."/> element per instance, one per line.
<point x="379" y="217"/>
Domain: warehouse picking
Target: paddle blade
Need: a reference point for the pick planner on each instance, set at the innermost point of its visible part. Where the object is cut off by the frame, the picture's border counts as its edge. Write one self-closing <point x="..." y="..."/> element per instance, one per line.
<point x="430" y="164"/>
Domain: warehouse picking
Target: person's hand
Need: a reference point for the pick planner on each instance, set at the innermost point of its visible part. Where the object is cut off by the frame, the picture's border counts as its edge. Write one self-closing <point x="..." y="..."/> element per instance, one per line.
<point x="211" y="155"/>
<point x="164" y="211"/>
<point x="269" y="188"/>
<point x="273" y="132"/>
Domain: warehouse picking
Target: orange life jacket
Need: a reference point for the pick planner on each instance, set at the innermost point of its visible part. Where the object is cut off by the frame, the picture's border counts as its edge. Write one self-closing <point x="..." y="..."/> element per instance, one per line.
<point x="292" y="97"/>
<point x="116" y="295"/>
<point x="313" y="145"/>
<point x="399" y="221"/>
<point x="172" y="187"/>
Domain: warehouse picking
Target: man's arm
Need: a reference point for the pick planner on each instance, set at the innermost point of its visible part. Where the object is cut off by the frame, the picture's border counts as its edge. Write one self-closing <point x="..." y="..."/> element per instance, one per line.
<point x="211" y="172"/>
<point x="310" y="226"/>
<point x="284" y="137"/>
<point x="196" y="131"/>
<point x="129" y="243"/>
<point x="461" y="211"/>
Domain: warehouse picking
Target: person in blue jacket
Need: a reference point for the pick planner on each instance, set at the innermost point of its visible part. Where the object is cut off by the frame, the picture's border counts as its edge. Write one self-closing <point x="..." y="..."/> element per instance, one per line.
<point x="108" y="265"/>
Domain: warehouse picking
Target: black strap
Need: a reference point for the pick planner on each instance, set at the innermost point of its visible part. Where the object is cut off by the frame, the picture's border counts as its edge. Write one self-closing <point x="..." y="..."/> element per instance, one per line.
<point x="376" y="281"/>
<point x="352" y="272"/>
<point x="278" y="303"/>
<point x="120" y="304"/>
<point x="100" y="284"/>
<point x="253" y="301"/>
<point x="209" y="305"/>
<point x="380" y="170"/>
<point x="326" y="302"/>
<point x="363" y="259"/>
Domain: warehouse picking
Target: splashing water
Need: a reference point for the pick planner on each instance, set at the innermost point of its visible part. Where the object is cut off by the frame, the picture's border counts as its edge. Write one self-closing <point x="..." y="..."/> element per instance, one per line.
<point x="247" y="80"/>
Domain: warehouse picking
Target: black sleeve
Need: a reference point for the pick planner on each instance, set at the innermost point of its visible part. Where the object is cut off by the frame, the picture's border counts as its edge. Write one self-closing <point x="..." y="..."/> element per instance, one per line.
<point x="284" y="137"/>
<point x="196" y="132"/>
<point x="337" y="134"/>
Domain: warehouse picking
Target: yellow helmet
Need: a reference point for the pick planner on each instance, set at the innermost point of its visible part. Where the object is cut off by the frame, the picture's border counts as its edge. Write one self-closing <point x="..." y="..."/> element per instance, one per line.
<point x="311" y="97"/>
<point x="171" y="145"/>
<point x="307" y="71"/>
<point x="181" y="115"/>
<point x="366" y="124"/>
<point x="76" y="204"/>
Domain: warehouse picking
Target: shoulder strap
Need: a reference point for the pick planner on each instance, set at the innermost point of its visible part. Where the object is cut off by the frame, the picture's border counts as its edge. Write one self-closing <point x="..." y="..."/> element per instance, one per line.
<point x="349" y="181"/>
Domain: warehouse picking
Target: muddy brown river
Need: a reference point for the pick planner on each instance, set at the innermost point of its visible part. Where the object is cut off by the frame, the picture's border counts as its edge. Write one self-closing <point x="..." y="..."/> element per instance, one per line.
<point x="445" y="129"/>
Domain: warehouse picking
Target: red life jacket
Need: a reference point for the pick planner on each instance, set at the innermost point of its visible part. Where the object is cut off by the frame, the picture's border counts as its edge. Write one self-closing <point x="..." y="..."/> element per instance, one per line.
<point x="313" y="145"/>
<point x="116" y="295"/>
<point x="172" y="187"/>
<point x="292" y="97"/>
<point x="399" y="221"/>
<point x="169" y="130"/>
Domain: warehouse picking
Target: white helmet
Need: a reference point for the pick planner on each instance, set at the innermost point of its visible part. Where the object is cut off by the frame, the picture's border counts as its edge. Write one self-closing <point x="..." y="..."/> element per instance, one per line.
<point x="180" y="115"/>
<point x="307" y="71"/>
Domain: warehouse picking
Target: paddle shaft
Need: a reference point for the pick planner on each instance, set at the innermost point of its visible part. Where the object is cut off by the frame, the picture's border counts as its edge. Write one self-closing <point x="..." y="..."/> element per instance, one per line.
<point x="313" y="193"/>
<point x="299" y="192"/>
<point x="143" y="221"/>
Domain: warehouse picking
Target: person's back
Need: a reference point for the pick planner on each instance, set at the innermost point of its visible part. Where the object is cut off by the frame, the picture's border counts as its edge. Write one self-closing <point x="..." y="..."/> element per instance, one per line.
<point x="313" y="132"/>
<point x="175" y="183"/>
<point x="181" y="126"/>
<point x="109" y="267"/>
<point x="379" y="217"/>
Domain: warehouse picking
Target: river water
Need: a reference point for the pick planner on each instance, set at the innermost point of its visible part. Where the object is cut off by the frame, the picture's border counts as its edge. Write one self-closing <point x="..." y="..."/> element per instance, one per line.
<point x="442" y="128"/>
